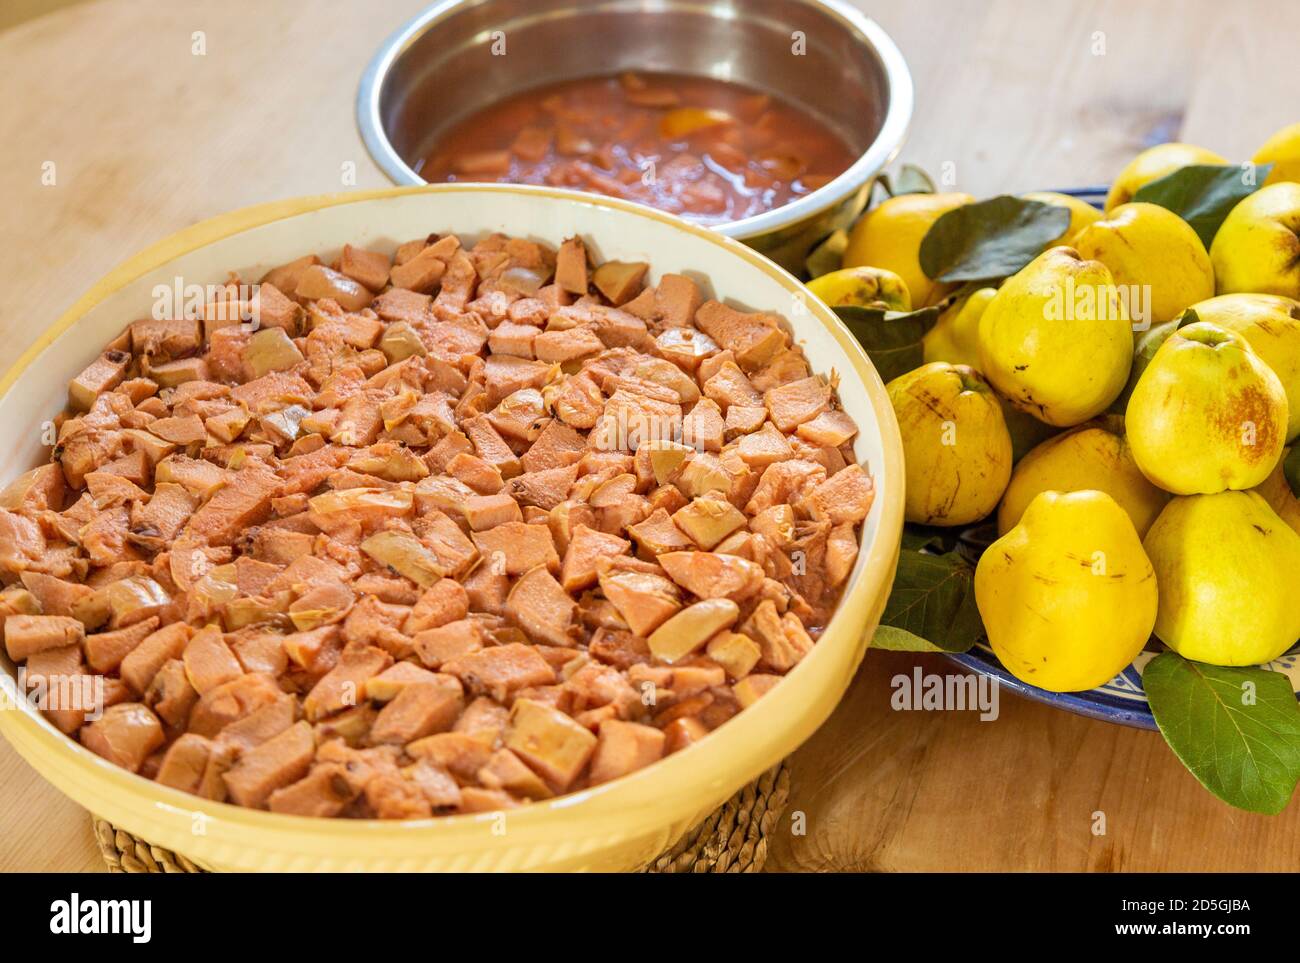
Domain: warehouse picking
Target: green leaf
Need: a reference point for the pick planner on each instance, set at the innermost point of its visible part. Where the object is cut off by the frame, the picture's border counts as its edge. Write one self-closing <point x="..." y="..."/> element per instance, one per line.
<point x="912" y="180"/>
<point x="827" y="256"/>
<point x="1236" y="729"/>
<point x="893" y="639"/>
<point x="892" y="339"/>
<point x="989" y="240"/>
<point x="1203" y="194"/>
<point x="919" y="538"/>
<point x="934" y="600"/>
<point x="1148" y="344"/>
<point x="1291" y="470"/>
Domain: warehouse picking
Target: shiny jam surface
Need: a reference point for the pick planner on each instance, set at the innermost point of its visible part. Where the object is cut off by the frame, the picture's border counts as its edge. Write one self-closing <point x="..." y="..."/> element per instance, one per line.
<point x="709" y="150"/>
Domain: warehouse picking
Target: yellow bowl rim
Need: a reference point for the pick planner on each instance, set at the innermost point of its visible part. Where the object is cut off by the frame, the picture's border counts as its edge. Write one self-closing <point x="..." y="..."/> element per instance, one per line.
<point x="674" y="785"/>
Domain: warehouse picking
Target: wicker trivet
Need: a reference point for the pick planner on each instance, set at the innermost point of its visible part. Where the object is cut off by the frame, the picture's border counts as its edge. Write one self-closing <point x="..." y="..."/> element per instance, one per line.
<point x="732" y="839"/>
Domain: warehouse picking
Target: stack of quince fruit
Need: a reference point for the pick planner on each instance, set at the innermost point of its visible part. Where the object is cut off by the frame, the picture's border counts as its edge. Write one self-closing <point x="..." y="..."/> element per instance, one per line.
<point x="1152" y="494"/>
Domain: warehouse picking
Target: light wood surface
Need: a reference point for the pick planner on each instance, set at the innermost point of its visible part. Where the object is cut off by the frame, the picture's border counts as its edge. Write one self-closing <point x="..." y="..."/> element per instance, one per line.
<point x="147" y="138"/>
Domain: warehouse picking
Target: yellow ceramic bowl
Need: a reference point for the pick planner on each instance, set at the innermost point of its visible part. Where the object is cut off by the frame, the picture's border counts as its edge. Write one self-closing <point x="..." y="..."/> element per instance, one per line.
<point x="620" y="825"/>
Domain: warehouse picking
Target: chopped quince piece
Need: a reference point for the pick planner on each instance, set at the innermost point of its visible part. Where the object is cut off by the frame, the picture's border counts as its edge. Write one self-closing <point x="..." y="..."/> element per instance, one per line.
<point x="270" y="349"/>
<point x="208" y="661"/>
<point x="209" y="593"/>
<point x="685" y="121"/>
<point x="41" y="488"/>
<point x="126" y="734"/>
<point x="25" y="635"/>
<point x="613" y="491"/>
<point x="829" y="429"/>
<point x="541" y="607"/>
<point x="691" y="628"/>
<point x="449" y="642"/>
<point x="844" y="497"/>
<point x="551" y="743"/>
<point x="682" y="732"/>
<point x="276" y="763"/>
<point x="586" y="548"/>
<point x="620" y="281"/>
<point x="782" y="638"/>
<point x="624" y="747"/>
<point x="345" y="684"/>
<point x="200" y="478"/>
<point x="501" y="670"/>
<point x="520" y="415"/>
<point x="406" y="555"/>
<point x="704" y="473"/>
<point x="755" y="338"/>
<point x="483" y="512"/>
<point x="359" y="504"/>
<point x="841" y="553"/>
<point x="666" y="457"/>
<point x="571" y="266"/>
<point x="135" y="598"/>
<point x="685" y="346"/>
<point x="764" y="447"/>
<point x="644" y="599"/>
<point x="735" y="652"/>
<point x="516" y="547"/>
<point x="103" y="374"/>
<point x="506" y="771"/>
<point x="790" y="405"/>
<point x="324" y="603"/>
<point x="401" y="341"/>
<point x="668" y="375"/>
<point x="753" y="687"/>
<point x="708" y="520"/>
<point x="389" y="461"/>
<point x="710" y="575"/>
<point x="418" y="710"/>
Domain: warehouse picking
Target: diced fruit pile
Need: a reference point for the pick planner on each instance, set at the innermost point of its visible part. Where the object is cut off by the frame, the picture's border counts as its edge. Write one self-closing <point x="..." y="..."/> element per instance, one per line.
<point x="441" y="531"/>
<point x="1114" y="391"/>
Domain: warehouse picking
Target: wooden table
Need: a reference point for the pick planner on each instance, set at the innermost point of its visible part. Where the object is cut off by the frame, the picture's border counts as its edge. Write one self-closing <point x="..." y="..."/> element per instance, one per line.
<point x="146" y="137"/>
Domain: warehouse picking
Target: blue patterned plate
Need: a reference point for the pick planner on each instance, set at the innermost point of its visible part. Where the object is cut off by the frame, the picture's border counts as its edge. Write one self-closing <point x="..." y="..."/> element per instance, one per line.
<point x="1121" y="699"/>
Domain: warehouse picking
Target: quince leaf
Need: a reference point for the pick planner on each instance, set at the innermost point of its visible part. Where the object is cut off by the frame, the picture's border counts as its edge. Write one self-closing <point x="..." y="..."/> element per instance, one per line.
<point x="1147" y="346"/>
<point x="1203" y="194"/>
<point x="826" y="256"/>
<point x="933" y="601"/>
<point x="1236" y="729"/>
<point x="1291" y="470"/>
<point x="912" y="180"/>
<point x="893" y="639"/>
<point x="892" y="338"/>
<point x="991" y="239"/>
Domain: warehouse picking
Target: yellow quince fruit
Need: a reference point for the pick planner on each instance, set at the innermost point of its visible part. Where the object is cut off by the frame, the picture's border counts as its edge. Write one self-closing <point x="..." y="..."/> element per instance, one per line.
<point x="864" y="286"/>
<point x="1155" y="257"/>
<point x="1282" y="150"/>
<point x="1094" y="456"/>
<point x="889" y="236"/>
<point x="1207" y="413"/>
<point x="1257" y="248"/>
<point x="1153" y="164"/>
<point x="1068" y="596"/>
<point x="956" y="450"/>
<point x="1226" y="566"/>
<point x="1272" y="326"/>
<point x="1056" y="340"/>
<point x="955" y="336"/>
